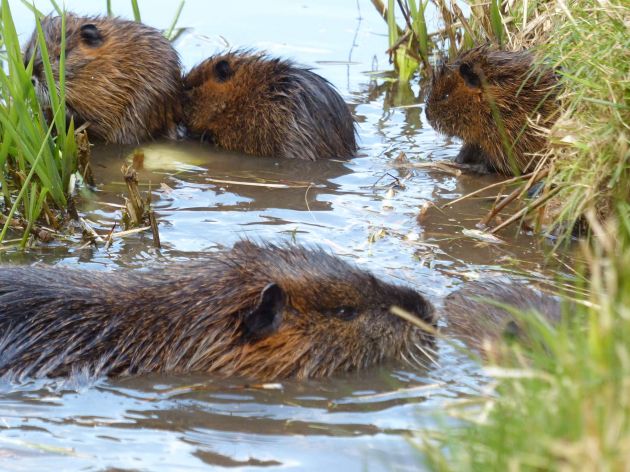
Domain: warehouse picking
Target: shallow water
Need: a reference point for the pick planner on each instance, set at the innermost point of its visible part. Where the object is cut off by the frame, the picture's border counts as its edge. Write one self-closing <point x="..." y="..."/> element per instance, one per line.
<point x="364" y="209"/>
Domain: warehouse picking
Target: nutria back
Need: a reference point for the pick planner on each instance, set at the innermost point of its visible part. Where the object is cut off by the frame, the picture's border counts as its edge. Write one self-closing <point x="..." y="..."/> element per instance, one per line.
<point x="252" y="103"/>
<point x="490" y="99"/>
<point x="479" y="313"/>
<point x="260" y="311"/>
<point x="122" y="77"/>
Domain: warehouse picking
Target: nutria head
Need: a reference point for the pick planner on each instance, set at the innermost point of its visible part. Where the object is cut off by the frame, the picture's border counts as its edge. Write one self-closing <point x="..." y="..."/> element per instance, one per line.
<point x="486" y="312"/>
<point x="249" y="102"/>
<point x="255" y="311"/>
<point x="121" y="76"/>
<point x="486" y="97"/>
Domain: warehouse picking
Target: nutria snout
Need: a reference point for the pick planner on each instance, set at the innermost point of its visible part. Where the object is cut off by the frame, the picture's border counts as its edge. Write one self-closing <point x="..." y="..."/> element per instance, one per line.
<point x="479" y="313"/>
<point x="252" y="103"/>
<point x="122" y="77"/>
<point x="490" y="99"/>
<point x="256" y="311"/>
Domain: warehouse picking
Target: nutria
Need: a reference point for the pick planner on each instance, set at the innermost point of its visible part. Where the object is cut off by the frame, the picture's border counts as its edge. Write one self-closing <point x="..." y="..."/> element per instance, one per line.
<point x="485" y="95"/>
<point x="262" y="311"/>
<point x="251" y="103"/>
<point x="479" y="313"/>
<point x="122" y="77"/>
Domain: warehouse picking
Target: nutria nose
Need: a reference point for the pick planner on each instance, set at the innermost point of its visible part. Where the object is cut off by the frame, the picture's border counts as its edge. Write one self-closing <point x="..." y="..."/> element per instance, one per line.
<point x="416" y="306"/>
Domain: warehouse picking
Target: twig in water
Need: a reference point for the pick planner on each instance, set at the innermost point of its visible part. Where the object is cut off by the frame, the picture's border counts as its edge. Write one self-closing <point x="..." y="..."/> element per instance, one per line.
<point x="154" y="230"/>
<point x="255" y="184"/>
<point x="134" y="204"/>
<point x="488" y="187"/>
<point x="535" y="204"/>
<point x="516" y="194"/>
<point x="95" y="237"/>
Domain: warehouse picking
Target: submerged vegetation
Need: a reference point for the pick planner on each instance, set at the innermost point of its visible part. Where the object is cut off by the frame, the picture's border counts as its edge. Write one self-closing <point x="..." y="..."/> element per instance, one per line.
<point x="562" y="403"/>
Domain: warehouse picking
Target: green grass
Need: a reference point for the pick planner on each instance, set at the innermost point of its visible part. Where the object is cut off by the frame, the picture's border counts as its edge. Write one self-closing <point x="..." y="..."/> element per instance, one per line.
<point x="412" y="46"/>
<point x="591" y="151"/>
<point x="37" y="159"/>
<point x="564" y="403"/>
<point x="171" y="33"/>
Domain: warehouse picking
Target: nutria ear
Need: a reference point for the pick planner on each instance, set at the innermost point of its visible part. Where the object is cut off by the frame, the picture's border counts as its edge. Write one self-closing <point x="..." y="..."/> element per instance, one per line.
<point x="266" y="316"/>
<point x="91" y="35"/>
<point x="223" y="71"/>
<point x="469" y="75"/>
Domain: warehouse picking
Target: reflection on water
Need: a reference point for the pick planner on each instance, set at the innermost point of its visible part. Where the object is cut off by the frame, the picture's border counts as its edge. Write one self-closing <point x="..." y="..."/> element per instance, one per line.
<point x="364" y="209"/>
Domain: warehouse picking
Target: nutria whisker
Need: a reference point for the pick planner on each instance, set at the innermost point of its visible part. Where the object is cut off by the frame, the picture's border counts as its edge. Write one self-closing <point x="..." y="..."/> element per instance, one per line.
<point x="418" y="362"/>
<point x="426" y="354"/>
<point x="426" y="348"/>
<point x="409" y="363"/>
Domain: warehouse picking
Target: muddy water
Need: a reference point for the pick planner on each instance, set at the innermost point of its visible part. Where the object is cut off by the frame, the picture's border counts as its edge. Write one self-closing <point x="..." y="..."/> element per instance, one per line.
<point x="364" y="209"/>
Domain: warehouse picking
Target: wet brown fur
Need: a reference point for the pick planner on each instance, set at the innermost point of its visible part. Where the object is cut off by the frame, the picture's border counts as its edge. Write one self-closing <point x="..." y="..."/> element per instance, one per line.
<point x="477" y="314"/>
<point x="256" y="311"/>
<point x="122" y="77"/>
<point x="463" y="93"/>
<point x="258" y="105"/>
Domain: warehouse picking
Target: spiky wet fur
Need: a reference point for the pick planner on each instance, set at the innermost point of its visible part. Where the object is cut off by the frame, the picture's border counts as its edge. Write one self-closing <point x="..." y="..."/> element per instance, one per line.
<point x="190" y="317"/>
<point x="128" y="88"/>
<point x="268" y="107"/>
<point x="522" y="93"/>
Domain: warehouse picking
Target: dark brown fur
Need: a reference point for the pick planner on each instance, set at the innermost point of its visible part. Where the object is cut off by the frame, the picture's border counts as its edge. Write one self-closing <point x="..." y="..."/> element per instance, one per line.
<point x="462" y="96"/>
<point x="251" y="103"/>
<point x="476" y="313"/>
<point x="122" y="77"/>
<point x="255" y="311"/>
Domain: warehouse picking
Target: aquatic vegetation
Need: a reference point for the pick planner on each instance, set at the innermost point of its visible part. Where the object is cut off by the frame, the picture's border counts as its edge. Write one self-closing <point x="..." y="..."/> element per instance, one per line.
<point x="37" y="158"/>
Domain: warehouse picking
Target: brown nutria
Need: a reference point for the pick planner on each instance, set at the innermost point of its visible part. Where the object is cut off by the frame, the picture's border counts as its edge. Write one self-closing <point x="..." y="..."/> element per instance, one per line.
<point x="479" y="313"/>
<point x="251" y="103"/>
<point x="487" y="98"/>
<point x="122" y="77"/>
<point x="255" y="311"/>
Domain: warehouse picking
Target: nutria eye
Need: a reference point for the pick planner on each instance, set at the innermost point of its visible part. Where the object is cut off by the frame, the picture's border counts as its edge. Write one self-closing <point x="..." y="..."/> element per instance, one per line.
<point x="346" y="313"/>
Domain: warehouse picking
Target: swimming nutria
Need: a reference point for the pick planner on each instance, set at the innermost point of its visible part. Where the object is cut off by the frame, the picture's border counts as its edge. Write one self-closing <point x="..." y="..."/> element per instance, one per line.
<point x="249" y="102"/>
<point x="485" y="94"/>
<point x="122" y="77"/>
<point x="474" y="317"/>
<point x="255" y="311"/>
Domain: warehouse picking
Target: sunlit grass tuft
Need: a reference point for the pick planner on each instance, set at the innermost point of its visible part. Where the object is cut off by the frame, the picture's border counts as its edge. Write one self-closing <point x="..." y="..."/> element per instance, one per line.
<point x="590" y="141"/>
<point x="37" y="159"/>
